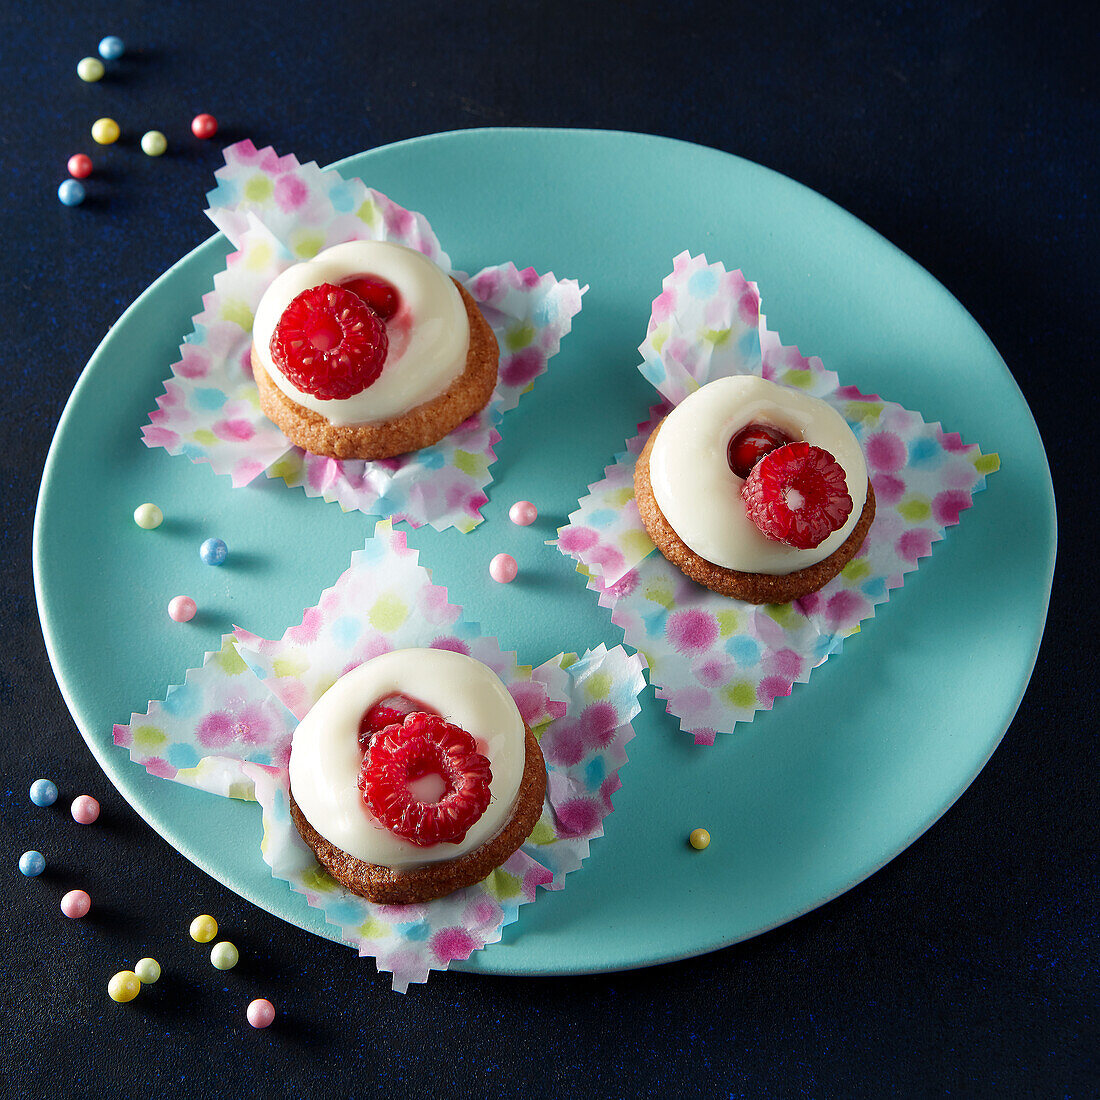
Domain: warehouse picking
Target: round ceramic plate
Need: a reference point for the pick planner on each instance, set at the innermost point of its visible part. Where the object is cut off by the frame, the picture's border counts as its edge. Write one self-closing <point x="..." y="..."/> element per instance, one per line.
<point x="801" y="804"/>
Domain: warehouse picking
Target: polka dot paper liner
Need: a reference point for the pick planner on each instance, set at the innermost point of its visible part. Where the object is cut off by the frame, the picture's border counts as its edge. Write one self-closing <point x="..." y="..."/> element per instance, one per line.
<point x="716" y="661"/>
<point x="277" y="212"/>
<point x="227" y="729"/>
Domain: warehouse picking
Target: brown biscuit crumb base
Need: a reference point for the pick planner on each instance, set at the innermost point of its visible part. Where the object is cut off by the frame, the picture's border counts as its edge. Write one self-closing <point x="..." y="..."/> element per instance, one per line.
<point x="751" y="587"/>
<point x="419" y="427"/>
<point x="390" y="886"/>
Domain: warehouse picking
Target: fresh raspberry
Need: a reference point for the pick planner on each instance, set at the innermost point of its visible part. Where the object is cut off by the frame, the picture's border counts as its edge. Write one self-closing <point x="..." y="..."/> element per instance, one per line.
<point x="421" y="746"/>
<point x="386" y="712"/>
<point x="750" y="444"/>
<point x="797" y="495"/>
<point x="328" y="343"/>
<point x="378" y="293"/>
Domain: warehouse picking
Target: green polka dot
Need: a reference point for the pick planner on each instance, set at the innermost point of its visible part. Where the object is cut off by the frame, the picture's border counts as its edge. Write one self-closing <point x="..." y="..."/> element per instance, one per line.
<point x="243" y="790"/>
<point x="801" y="378"/>
<point x="288" y="468"/>
<point x="249" y="394"/>
<point x="690" y="384"/>
<point x="204" y="436"/>
<point x="915" y="509"/>
<point x="583" y="569"/>
<point x="288" y="667"/>
<point x="659" y="338"/>
<point x="305" y="244"/>
<point x="567" y="659"/>
<point x="149" y="738"/>
<point x="238" y="313"/>
<point x="598" y="685"/>
<point x="856" y="569"/>
<point x="986" y="464"/>
<point x="502" y="885"/>
<point x="741" y="695"/>
<point x="323" y="686"/>
<point x="388" y="613"/>
<point x="660" y="593"/>
<point x="542" y="833"/>
<point x="373" y="929"/>
<point x="637" y="543"/>
<point x="471" y="464"/>
<point x="620" y="496"/>
<point x="258" y="189"/>
<point x="368" y="212"/>
<point x="229" y="660"/>
<point x="863" y="411"/>
<point x="782" y="613"/>
<point x="716" y="336"/>
<point x="314" y="878"/>
<point x="519" y="336"/>
<point x="728" y="622"/>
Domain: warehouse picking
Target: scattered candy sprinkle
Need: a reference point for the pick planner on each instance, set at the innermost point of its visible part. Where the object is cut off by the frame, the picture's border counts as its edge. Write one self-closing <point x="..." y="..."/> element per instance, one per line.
<point x="204" y="126"/>
<point x="147" y="971"/>
<point x="85" y="809"/>
<point x="43" y="792"/>
<point x="523" y="513"/>
<point x="153" y="143"/>
<point x="124" y="986"/>
<point x="224" y="956"/>
<point x="76" y="904"/>
<point x="503" y="568"/>
<point x="105" y="131"/>
<point x="261" y="1013"/>
<point x="699" y="839"/>
<point x="79" y="166"/>
<point x="111" y="48"/>
<point x="32" y="864"/>
<point x="71" y="193"/>
<point x="181" y="609"/>
<point x="213" y="552"/>
<point x="148" y="516"/>
<point x="90" y="69"/>
<point x="203" y="928"/>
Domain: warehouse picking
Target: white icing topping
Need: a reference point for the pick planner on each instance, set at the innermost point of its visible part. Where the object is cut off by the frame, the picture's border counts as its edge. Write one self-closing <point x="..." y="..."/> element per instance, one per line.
<point x="325" y="757"/>
<point x="700" y="495"/>
<point x="429" y="335"/>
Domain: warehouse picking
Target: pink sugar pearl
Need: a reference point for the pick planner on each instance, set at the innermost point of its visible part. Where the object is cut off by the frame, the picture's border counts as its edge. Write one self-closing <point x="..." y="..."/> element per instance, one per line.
<point x="182" y="609"/>
<point x="523" y="513"/>
<point x="261" y="1013"/>
<point x="503" y="568"/>
<point x="75" y="904"/>
<point x="85" y="809"/>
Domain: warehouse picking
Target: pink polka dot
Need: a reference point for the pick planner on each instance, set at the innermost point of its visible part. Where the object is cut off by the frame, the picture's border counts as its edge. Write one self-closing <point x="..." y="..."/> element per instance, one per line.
<point x="563" y="744"/>
<point x="578" y="817"/>
<point x="691" y="631"/>
<point x="308" y="629"/>
<point x="598" y="723"/>
<point x="522" y="367"/>
<point x="608" y="787"/>
<point x="690" y="699"/>
<point x="530" y="698"/>
<point x="844" y="609"/>
<point x="914" y="544"/>
<point x="951" y="441"/>
<point x="124" y="736"/>
<point x="486" y="286"/>
<point x="712" y="673"/>
<point x="529" y="278"/>
<point x="786" y="663"/>
<point x="399" y="221"/>
<point x="607" y="558"/>
<point x="704" y="736"/>
<point x="748" y="308"/>
<point x="194" y="364"/>
<point x="290" y="193"/>
<point x="574" y="540"/>
<point x="888" y="489"/>
<point x="809" y="604"/>
<point x="885" y="451"/>
<point x="536" y="877"/>
<point x="623" y="586"/>
<point x="159" y="437"/>
<point x="375" y="646"/>
<point x="452" y="943"/>
<point x="663" y="305"/>
<point x="452" y="645"/>
<point x="237" y="431"/>
<point x="160" y="768"/>
<point x="946" y="506"/>
<point x="770" y="688"/>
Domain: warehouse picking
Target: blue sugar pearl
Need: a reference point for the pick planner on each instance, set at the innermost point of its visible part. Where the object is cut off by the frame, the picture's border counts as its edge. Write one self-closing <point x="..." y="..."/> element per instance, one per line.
<point x="43" y="792"/>
<point x="111" y="48"/>
<point x="71" y="192"/>
<point x="32" y="863"/>
<point x="213" y="552"/>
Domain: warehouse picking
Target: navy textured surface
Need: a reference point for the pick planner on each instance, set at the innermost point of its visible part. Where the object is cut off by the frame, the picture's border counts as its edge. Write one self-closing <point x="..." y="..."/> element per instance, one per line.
<point x="967" y="136"/>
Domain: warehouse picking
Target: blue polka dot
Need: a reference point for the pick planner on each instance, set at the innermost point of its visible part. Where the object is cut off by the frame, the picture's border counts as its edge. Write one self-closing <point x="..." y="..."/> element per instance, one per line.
<point x="654" y="370"/>
<point x="594" y="773"/>
<point x="182" y="756"/>
<point x="545" y="313"/>
<point x="196" y="336"/>
<point x="227" y="193"/>
<point x="749" y="347"/>
<point x="346" y="630"/>
<point x="193" y="451"/>
<point x="703" y="283"/>
<point x="262" y="758"/>
<point x="823" y="646"/>
<point x="374" y="551"/>
<point x="432" y="458"/>
<point x="209" y="398"/>
<point x="342" y="198"/>
<point x="416" y="930"/>
<point x="874" y="588"/>
<point x="925" y="452"/>
<point x="655" y="623"/>
<point x="744" y="650"/>
<point x="182" y="700"/>
<point x="344" y="911"/>
<point x="602" y="518"/>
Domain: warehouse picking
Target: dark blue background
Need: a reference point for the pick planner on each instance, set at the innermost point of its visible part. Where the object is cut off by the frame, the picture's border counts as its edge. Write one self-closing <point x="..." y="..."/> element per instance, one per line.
<point x="964" y="133"/>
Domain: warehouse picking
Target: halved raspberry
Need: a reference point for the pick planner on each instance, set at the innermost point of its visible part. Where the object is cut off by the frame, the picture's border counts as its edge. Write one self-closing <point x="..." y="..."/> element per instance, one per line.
<point x="797" y="495"/>
<point x="422" y="751"/>
<point x="329" y="343"/>
<point x="750" y="444"/>
<point x="386" y="712"/>
<point x="378" y="293"/>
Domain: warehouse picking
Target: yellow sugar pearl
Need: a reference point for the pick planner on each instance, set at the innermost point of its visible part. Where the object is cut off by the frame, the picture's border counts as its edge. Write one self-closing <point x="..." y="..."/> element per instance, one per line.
<point x="90" y="69"/>
<point x="124" y="986"/>
<point x="699" y="839"/>
<point x="105" y="131"/>
<point x="204" y="928"/>
<point x="224" y="956"/>
<point x="147" y="970"/>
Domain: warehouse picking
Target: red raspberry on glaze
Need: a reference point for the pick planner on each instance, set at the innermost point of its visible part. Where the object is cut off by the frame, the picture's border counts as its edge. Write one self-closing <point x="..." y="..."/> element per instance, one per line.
<point x="329" y="344"/>
<point x="750" y="444"/>
<point x="425" y="745"/>
<point x="378" y="293"/>
<point x="386" y="712"/>
<point x="797" y="495"/>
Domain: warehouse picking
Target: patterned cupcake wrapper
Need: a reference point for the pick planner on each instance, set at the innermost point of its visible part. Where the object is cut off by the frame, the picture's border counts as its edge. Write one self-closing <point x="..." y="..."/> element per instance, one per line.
<point x="715" y="660"/>
<point x="277" y="212"/>
<point x="228" y="727"/>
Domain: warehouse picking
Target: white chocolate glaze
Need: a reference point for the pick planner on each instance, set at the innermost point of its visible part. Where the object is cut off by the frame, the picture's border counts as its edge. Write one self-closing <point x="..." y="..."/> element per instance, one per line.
<point x="700" y="495"/>
<point x="325" y="758"/>
<point x="429" y="335"/>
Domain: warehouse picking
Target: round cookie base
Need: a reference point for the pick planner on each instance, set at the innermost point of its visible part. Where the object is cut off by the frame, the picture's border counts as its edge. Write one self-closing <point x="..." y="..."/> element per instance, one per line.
<point x="420" y="426"/>
<point x="750" y="587"/>
<point x="396" y="886"/>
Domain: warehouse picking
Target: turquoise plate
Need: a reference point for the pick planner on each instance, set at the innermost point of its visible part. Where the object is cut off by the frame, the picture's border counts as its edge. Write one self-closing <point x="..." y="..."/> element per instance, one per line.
<point x="803" y="803"/>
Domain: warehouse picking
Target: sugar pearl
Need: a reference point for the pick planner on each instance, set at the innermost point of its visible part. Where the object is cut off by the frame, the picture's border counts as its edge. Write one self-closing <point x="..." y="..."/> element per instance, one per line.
<point x="32" y="864"/>
<point x="153" y="143"/>
<point x="79" y="166"/>
<point x="147" y="971"/>
<point x="224" y="955"/>
<point x="261" y="1013"/>
<point x="503" y="568"/>
<point x="43" y="792"/>
<point x="699" y="839"/>
<point x="204" y="126"/>
<point x="76" y="904"/>
<point x="124" y="986"/>
<point x="85" y="809"/>
<point x="105" y="131"/>
<point x="523" y="513"/>
<point x="111" y="48"/>
<point x="203" y="928"/>
<point x="148" y="516"/>
<point x="90" y="69"/>
<point x="181" y="609"/>
<point x="71" y="193"/>
<point x="213" y="552"/>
